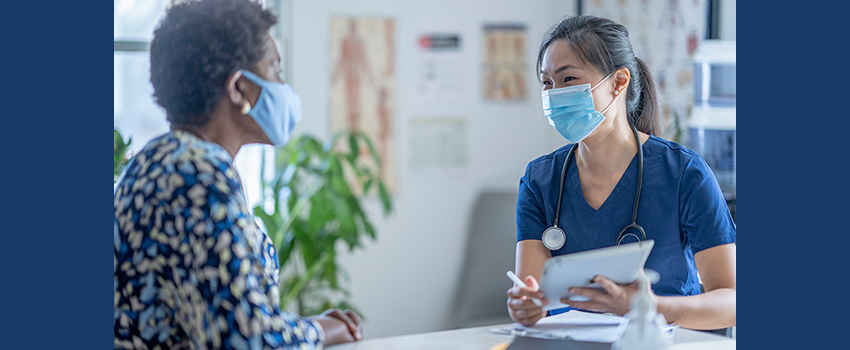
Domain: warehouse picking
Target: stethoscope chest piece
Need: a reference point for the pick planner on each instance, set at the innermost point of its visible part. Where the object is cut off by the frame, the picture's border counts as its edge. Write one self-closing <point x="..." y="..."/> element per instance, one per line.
<point x="554" y="238"/>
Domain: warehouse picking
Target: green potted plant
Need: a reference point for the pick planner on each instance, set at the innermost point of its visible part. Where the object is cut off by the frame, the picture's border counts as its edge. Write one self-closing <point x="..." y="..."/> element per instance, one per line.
<point x="120" y="149"/>
<point x="311" y="207"/>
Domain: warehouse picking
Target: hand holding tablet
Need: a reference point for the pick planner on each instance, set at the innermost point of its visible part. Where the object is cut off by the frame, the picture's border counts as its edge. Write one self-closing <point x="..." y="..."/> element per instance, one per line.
<point x="621" y="264"/>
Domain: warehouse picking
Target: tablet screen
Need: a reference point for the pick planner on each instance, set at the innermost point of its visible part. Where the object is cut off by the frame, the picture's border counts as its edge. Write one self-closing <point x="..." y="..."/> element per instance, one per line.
<point x="621" y="264"/>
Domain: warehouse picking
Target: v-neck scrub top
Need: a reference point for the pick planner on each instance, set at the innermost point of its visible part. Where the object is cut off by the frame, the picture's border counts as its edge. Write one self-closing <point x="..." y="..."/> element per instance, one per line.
<point x="681" y="208"/>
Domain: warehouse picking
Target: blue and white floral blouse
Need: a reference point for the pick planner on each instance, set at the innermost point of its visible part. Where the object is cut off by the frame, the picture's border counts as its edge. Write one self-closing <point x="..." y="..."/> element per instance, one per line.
<point x="192" y="269"/>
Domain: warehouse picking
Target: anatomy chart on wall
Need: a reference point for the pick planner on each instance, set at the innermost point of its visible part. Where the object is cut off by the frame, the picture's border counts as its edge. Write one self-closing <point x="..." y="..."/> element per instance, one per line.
<point x="362" y="94"/>
<point x="664" y="34"/>
<point x="504" y="62"/>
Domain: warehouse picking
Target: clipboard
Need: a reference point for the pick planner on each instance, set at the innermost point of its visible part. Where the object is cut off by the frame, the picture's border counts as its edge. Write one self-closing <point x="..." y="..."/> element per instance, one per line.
<point x="621" y="264"/>
<point x="546" y="344"/>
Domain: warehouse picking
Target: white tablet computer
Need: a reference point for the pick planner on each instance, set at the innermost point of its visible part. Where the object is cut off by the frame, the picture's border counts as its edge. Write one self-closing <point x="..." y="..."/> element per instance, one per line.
<point x="621" y="264"/>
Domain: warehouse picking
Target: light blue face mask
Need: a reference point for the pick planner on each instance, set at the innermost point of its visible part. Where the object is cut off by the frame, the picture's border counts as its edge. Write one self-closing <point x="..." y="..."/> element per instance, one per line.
<point x="278" y="109"/>
<point x="570" y="110"/>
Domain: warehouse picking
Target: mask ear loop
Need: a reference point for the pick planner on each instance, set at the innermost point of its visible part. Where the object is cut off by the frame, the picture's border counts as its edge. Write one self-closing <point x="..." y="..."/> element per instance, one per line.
<point x="601" y="81"/>
<point x="617" y="95"/>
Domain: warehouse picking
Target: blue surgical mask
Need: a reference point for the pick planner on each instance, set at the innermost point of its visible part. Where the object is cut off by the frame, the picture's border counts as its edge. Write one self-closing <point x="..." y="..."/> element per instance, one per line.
<point x="278" y="109"/>
<point x="570" y="110"/>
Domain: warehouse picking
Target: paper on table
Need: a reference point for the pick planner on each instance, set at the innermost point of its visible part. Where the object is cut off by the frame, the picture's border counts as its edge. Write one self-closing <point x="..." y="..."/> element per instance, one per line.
<point x="574" y="324"/>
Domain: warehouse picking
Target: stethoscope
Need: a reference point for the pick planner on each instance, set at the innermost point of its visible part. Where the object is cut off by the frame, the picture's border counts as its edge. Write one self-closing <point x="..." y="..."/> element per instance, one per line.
<point x="554" y="237"/>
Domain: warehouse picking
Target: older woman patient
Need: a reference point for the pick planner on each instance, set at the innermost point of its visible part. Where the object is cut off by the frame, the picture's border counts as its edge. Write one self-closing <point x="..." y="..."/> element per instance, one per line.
<point x="191" y="268"/>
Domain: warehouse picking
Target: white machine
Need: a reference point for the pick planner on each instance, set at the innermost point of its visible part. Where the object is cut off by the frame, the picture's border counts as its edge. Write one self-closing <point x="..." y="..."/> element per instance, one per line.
<point x="712" y="122"/>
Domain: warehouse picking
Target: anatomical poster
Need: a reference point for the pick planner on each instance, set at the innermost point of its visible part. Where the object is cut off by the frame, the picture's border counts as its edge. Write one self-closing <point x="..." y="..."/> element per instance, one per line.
<point x="362" y="88"/>
<point x="504" y="62"/>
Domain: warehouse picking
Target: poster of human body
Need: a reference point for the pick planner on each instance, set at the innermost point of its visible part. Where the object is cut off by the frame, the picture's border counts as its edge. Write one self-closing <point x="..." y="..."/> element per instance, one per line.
<point x="504" y="62"/>
<point x="362" y="94"/>
<point x="664" y="34"/>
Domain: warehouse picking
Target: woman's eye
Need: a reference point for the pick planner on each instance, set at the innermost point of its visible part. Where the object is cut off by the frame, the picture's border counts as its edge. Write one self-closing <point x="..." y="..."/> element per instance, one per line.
<point x="568" y="79"/>
<point x="546" y="83"/>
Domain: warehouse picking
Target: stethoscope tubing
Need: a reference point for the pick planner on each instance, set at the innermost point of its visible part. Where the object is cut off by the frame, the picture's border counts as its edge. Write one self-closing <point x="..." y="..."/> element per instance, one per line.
<point x="632" y="225"/>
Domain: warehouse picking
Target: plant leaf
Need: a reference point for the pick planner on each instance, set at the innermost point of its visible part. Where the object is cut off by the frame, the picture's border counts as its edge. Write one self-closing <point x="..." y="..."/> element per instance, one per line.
<point x="271" y="223"/>
<point x="295" y="289"/>
<point x="368" y="185"/>
<point x="316" y="207"/>
<point x="375" y="156"/>
<point x="385" y="198"/>
<point x="354" y="148"/>
<point x="367" y="226"/>
<point x="329" y="144"/>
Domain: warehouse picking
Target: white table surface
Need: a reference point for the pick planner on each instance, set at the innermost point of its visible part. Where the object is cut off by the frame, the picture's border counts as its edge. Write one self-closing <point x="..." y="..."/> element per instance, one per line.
<point x="482" y="338"/>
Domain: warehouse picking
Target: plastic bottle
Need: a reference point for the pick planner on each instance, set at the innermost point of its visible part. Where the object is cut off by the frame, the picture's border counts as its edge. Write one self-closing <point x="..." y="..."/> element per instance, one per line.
<point x="644" y="328"/>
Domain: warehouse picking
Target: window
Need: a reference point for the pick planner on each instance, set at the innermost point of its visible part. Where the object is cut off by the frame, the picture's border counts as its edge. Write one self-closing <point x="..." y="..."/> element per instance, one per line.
<point x="134" y="112"/>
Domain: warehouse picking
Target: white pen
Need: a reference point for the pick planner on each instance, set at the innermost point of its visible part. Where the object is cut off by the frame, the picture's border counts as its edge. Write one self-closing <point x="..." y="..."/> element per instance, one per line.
<point x="519" y="282"/>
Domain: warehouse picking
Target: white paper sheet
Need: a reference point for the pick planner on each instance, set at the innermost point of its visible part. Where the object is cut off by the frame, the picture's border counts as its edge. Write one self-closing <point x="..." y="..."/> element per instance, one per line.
<point x="438" y="144"/>
<point x="574" y="324"/>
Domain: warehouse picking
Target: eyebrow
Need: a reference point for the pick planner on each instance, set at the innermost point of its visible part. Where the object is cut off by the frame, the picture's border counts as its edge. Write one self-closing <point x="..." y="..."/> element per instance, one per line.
<point x="563" y="68"/>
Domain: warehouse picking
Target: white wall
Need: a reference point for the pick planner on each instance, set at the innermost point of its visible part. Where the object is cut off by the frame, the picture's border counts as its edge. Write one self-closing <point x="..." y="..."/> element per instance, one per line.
<point x="405" y="281"/>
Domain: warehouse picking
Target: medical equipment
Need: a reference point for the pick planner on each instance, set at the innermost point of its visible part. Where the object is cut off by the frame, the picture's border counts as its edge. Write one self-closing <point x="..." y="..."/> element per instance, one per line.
<point x="712" y="123"/>
<point x="554" y="237"/>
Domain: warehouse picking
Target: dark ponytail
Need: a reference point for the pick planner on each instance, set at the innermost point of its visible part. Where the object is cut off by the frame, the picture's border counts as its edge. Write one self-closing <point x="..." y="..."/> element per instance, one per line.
<point x="645" y="115"/>
<point x="605" y="45"/>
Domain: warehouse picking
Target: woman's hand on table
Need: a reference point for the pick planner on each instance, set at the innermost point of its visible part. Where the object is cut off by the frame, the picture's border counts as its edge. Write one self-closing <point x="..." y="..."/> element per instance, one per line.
<point x="340" y="326"/>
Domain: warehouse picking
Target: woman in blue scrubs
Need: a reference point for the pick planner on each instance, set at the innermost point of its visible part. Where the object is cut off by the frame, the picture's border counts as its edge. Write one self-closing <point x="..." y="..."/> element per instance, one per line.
<point x="682" y="209"/>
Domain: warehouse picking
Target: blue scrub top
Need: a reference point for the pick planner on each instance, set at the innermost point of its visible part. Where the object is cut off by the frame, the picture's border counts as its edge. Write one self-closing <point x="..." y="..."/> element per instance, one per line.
<point x="681" y="208"/>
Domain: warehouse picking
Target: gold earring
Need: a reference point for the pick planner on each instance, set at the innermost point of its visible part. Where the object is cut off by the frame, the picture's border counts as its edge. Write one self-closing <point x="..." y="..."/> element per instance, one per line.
<point x="246" y="107"/>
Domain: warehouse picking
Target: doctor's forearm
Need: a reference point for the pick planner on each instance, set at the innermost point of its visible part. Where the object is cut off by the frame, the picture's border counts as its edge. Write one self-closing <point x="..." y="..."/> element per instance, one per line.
<point x="711" y="310"/>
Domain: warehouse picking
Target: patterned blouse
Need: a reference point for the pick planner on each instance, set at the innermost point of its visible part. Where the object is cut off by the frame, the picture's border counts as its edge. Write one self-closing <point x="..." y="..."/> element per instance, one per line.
<point x="192" y="269"/>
